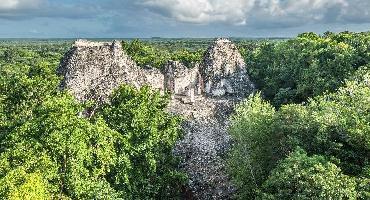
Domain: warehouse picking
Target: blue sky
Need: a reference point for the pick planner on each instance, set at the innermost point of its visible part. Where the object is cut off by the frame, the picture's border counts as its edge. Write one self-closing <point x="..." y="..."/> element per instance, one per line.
<point x="179" y="18"/>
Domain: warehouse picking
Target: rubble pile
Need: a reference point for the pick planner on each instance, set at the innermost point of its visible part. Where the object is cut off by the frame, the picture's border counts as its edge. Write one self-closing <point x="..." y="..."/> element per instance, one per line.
<point x="204" y="145"/>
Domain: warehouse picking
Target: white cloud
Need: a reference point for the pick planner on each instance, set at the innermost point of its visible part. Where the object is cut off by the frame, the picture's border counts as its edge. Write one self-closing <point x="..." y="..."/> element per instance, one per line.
<point x="357" y="11"/>
<point x="28" y="9"/>
<point x="251" y="11"/>
<point x="297" y="12"/>
<point x="203" y="11"/>
<point x="8" y="4"/>
<point x="18" y="4"/>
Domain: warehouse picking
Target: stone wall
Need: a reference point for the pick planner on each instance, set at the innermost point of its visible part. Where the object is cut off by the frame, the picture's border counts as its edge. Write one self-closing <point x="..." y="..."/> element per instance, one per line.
<point x="155" y="78"/>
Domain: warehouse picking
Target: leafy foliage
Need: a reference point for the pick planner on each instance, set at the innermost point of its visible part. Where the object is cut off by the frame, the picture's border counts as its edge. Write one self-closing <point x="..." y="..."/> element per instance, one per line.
<point x="72" y="154"/>
<point x="48" y="150"/>
<point x="334" y="126"/>
<point x="22" y="88"/>
<point x="309" y="65"/>
<point x="145" y="54"/>
<point x="251" y="130"/>
<point x="148" y="135"/>
<point x="300" y="176"/>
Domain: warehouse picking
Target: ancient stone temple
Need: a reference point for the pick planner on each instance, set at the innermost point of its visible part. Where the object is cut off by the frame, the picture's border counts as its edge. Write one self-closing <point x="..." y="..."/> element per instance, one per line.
<point x="92" y="70"/>
<point x="204" y="95"/>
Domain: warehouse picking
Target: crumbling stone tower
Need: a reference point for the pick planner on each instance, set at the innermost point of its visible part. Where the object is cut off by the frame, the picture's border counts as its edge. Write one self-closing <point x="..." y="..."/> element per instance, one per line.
<point x="224" y="70"/>
<point x="92" y="70"/>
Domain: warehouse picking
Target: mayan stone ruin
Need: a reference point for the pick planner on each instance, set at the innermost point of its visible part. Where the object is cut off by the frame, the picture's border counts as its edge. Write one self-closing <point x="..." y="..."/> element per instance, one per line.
<point x="204" y="95"/>
<point x="92" y="70"/>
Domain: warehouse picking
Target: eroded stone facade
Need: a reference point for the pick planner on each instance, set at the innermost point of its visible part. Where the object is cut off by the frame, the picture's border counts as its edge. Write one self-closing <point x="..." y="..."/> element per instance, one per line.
<point x="92" y="70"/>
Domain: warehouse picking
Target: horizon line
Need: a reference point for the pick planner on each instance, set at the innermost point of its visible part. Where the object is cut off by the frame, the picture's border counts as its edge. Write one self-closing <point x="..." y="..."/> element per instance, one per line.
<point x="71" y="38"/>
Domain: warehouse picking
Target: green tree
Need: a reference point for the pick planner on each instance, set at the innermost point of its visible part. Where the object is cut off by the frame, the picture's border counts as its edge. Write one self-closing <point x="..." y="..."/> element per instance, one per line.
<point x="72" y="154"/>
<point x="333" y="125"/>
<point x="292" y="71"/>
<point x="251" y="129"/>
<point x="300" y="176"/>
<point x="149" y="135"/>
<point x="22" y="88"/>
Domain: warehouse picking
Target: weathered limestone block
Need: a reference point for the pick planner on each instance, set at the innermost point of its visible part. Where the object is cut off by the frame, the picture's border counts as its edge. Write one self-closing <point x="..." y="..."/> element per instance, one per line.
<point x="154" y="78"/>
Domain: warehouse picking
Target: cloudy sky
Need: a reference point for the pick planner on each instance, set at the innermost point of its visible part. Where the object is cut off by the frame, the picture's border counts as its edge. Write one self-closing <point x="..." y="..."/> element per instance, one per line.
<point x="179" y="18"/>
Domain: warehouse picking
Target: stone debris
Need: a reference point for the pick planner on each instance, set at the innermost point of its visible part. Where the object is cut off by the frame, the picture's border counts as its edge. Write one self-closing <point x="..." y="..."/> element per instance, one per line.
<point x="204" y="95"/>
<point x="204" y="145"/>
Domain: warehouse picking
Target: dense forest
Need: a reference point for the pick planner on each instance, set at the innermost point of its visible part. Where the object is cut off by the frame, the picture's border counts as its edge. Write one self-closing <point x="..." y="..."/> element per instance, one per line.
<point x="305" y="134"/>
